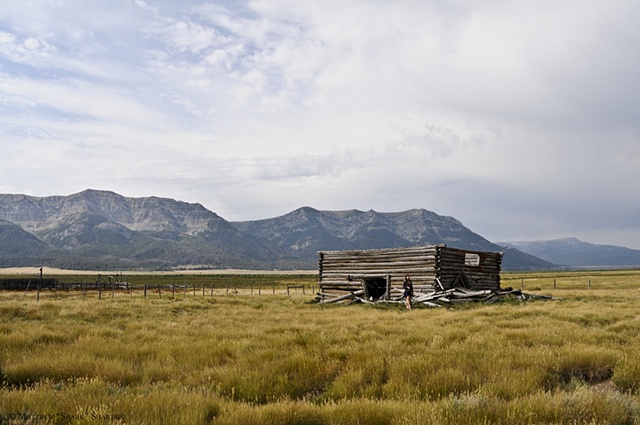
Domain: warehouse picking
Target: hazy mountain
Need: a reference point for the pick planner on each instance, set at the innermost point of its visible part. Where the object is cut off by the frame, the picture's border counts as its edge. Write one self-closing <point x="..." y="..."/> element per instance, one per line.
<point x="101" y="229"/>
<point x="575" y="253"/>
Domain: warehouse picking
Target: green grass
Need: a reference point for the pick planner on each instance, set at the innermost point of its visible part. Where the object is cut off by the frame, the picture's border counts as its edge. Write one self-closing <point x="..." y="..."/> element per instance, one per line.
<point x="277" y="359"/>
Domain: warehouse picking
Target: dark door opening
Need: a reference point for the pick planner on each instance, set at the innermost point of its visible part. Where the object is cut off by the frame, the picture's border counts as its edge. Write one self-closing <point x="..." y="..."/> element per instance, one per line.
<point x="375" y="288"/>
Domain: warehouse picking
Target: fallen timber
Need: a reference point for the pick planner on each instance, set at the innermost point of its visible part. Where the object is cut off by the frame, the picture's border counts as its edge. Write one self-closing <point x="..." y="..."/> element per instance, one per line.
<point x="438" y="297"/>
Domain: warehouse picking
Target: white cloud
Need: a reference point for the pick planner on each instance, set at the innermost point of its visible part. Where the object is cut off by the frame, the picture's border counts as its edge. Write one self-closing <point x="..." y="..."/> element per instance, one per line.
<point x="186" y="36"/>
<point x="525" y="111"/>
<point x="145" y="6"/>
<point x="26" y="50"/>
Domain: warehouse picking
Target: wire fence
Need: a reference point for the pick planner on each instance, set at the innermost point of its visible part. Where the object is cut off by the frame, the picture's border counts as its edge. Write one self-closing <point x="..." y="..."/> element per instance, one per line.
<point x="56" y="290"/>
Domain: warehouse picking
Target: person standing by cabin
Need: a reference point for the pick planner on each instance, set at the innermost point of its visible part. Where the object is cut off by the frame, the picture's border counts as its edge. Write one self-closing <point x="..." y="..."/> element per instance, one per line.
<point x="407" y="287"/>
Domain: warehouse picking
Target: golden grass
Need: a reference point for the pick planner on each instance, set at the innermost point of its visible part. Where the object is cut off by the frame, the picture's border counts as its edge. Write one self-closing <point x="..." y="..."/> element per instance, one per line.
<point x="242" y="359"/>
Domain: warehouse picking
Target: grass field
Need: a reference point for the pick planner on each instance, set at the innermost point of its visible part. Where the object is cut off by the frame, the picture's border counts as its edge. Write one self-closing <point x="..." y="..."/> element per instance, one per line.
<point x="244" y="358"/>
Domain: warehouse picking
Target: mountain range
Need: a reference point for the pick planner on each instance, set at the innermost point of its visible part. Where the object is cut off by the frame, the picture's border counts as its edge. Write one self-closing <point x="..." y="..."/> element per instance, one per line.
<point x="104" y="230"/>
<point x="572" y="252"/>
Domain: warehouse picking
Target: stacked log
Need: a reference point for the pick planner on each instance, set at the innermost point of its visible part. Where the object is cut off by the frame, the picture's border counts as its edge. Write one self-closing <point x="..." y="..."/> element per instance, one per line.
<point x="431" y="267"/>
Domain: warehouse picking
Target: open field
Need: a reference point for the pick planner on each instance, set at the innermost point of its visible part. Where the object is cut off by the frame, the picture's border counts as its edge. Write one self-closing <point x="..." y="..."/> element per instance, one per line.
<point x="244" y="358"/>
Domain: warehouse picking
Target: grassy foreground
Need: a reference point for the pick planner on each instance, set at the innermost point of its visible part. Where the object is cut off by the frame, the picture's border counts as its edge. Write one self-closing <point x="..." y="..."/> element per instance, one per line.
<point x="276" y="359"/>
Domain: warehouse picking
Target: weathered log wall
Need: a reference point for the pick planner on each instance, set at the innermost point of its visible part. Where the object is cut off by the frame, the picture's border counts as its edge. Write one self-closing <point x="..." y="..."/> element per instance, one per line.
<point x="454" y="272"/>
<point x="429" y="266"/>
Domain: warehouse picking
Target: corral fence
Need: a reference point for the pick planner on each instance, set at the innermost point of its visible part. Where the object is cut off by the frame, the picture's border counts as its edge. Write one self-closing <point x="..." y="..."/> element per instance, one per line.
<point x="52" y="288"/>
<point x="583" y="283"/>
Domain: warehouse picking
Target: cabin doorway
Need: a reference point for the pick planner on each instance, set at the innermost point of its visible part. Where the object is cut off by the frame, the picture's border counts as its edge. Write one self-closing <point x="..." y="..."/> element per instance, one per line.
<point x="375" y="288"/>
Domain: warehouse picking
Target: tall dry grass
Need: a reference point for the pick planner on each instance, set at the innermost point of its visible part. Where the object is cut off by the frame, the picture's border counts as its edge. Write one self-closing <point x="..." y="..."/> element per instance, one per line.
<point x="277" y="359"/>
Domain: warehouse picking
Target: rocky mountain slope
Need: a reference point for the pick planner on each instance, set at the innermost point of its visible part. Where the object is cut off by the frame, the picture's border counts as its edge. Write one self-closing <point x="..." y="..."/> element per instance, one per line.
<point x="102" y="229"/>
<point x="305" y="231"/>
<point x="18" y="246"/>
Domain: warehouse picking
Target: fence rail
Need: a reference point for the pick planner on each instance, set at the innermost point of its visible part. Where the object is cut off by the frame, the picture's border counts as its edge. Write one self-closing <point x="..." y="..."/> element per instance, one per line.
<point x="169" y="291"/>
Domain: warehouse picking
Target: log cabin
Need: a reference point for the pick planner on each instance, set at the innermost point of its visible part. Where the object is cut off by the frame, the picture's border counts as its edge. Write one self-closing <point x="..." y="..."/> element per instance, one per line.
<point x="379" y="273"/>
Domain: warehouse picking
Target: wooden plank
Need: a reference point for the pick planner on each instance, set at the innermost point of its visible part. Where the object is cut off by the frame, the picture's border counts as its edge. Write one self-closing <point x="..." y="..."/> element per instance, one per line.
<point x="342" y="298"/>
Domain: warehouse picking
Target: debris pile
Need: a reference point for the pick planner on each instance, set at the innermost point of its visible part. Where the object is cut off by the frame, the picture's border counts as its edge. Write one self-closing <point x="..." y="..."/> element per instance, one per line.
<point x="439" y="297"/>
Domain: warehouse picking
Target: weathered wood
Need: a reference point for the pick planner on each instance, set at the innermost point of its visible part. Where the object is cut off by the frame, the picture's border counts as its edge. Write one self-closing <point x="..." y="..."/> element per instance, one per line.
<point x="363" y="300"/>
<point x="434" y="267"/>
<point x="342" y="298"/>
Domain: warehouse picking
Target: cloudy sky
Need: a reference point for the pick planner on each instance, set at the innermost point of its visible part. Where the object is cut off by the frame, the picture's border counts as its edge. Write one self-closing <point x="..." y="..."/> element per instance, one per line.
<point x="519" y="118"/>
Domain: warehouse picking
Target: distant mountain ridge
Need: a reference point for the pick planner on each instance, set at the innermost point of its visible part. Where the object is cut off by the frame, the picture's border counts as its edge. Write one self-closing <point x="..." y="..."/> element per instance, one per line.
<point x="102" y="229"/>
<point x="573" y="252"/>
<point x="303" y="232"/>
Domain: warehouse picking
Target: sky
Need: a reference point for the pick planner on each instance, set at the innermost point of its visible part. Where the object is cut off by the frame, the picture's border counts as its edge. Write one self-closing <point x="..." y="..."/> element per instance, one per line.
<point x="521" y="118"/>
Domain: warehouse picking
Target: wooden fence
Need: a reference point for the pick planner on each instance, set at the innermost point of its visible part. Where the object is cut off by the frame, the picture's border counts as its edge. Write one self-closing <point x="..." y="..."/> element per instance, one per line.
<point x="102" y="290"/>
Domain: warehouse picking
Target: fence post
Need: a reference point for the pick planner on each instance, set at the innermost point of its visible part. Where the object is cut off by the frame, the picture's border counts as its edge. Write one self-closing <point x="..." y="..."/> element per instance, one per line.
<point x="554" y="284"/>
<point x="589" y="284"/>
<point x="288" y="290"/>
<point x="273" y="286"/>
<point x="173" y="290"/>
<point x="25" y="291"/>
<point x="145" y="291"/>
